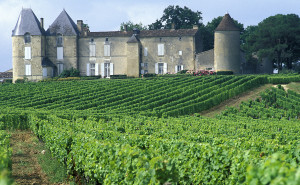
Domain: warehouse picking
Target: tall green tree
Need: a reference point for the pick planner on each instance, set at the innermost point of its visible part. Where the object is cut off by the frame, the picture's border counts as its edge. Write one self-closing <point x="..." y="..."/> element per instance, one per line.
<point x="130" y="26"/>
<point x="182" y="18"/>
<point x="278" y="38"/>
<point x="209" y="31"/>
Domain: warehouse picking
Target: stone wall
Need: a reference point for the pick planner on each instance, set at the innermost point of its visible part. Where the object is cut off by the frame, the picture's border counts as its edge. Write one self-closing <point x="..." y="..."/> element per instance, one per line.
<point x="205" y="60"/>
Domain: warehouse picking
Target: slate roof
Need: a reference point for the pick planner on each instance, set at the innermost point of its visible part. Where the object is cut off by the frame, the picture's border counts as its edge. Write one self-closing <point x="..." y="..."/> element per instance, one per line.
<point x="46" y="62"/>
<point x="6" y="75"/>
<point x="28" y="22"/>
<point x="227" y="24"/>
<point x="146" y="33"/>
<point x="64" y="25"/>
<point x="133" y="39"/>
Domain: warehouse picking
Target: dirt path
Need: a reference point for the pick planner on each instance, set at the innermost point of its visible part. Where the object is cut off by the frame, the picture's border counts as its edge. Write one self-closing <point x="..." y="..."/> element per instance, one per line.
<point x="251" y="94"/>
<point x="25" y="166"/>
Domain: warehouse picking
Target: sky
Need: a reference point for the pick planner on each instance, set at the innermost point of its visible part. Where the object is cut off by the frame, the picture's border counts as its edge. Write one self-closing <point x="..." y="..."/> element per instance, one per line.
<point x="107" y="15"/>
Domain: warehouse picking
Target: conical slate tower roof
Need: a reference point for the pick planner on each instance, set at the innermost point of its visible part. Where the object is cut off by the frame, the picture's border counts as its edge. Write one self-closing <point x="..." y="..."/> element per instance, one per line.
<point x="227" y="24"/>
<point x="64" y="25"/>
<point x="28" y="22"/>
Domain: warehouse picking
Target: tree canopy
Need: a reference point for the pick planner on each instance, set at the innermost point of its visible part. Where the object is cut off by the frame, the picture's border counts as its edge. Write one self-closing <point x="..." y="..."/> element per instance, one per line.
<point x="130" y="26"/>
<point x="278" y="38"/>
<point x="209" y="30"/>
<point x="182" y="18"/>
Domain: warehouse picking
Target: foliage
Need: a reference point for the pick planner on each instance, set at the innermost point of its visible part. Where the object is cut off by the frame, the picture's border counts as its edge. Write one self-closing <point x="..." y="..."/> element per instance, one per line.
<point x="70" y="73"/>
<point x="7" y="81"/>
<point x="276" y="37"/>
<point x="182" y="18"/>
<point x="224" y="72"/>
<point x="130" y="26"/>
<point x="5" y="158"/>
<point x="118" y="76"/>
<point x="20" y="81"/>
<point x="130" y="131"/>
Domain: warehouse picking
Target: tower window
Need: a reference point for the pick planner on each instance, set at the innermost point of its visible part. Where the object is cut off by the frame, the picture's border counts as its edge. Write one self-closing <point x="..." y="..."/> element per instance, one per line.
<point x="27" y="38"/>
<point x="106" y="39"/>
<point x="59" y="40"/>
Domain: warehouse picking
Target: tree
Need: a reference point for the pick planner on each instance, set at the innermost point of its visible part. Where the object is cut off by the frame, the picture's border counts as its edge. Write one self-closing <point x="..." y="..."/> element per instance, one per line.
<point x="181" y="18"/>
<point x="278" y="38"/>
<point x="130" y="26"/>
<point x="209" y="31"/>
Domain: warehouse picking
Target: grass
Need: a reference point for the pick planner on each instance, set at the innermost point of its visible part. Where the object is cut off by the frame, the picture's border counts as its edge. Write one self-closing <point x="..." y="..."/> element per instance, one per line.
<point x="294" y="86"/>
<point x="54" y="170"/>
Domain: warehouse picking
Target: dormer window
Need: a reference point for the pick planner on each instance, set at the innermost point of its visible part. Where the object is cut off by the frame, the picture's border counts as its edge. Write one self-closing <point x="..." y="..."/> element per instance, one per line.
<point x="27" y="38"/>
<point x="59" y="40"/>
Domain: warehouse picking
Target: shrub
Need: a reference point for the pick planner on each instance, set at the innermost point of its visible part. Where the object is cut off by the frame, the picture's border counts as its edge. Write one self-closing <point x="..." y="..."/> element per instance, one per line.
<point x="69" y="73"/>
<point x="20" y="81"/>
<point x="224" y="72"/>
<point x="118" y="76"/>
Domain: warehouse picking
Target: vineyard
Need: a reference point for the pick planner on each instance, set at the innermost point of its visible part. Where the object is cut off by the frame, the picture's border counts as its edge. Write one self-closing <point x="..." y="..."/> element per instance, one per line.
<point x="147" y="131"/>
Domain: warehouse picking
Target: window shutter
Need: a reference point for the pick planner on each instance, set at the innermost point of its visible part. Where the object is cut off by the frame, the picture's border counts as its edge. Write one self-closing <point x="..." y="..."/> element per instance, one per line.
<point x="60" y="68"/>
<point x="102" y="70"/>
<point x="180" y="53"/>
<point x="45" y="71"/>
<point x="60" y="53"/>
<point x="181" y="67"/>
<point x="176" y="68"/>
<point x="111" y="69"/>
<point x="156" y="68"/>
<point x="145" y="52"/>
<point x="142" y="72"/>
<point x="28" y="69"/>
<point x="165" y="68"/>
<point x="106" y="50"/>
<point x="160" y="49"/>
<point x="28" y="53"/>
<point x="88" y="69"/>
<point x="96" y="69"/>
<point x="92" y="50"/>
<point x="142" y="64"/>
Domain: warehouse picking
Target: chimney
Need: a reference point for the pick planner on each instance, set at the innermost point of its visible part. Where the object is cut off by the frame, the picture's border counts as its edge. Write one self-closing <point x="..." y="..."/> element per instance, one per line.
<point x="173" y="26"/>
<point x="80" y="25"/>
<point x="136" y="31"/>
<point x="125" y="28"/>
<point x="195" y="27"/>
<point x="42" y="23"/>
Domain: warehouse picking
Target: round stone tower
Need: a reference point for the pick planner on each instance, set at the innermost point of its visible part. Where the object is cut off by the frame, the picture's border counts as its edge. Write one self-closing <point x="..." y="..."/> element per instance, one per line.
<point x="227" y="46"/>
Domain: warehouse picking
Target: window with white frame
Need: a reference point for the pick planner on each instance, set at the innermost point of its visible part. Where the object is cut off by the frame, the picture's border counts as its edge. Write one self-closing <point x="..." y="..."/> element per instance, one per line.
<point x="106" y="50"/>
<point x="27" y="52"/>
<point x="45" y="71"/>
<point x="59" y="40"/>
<point x="107" y="69"/>
<point x="60" y="68"/>
<point x="180" y="53"/>
<point x="92" y="48"/>
<point x="178" y="68"/>
<point x="28" y="69"/>
<point x="60" y="53"/>
<point x="161" y="49"/>
<point x="161" y="68"/>
<point x="92" y="69"/>
<point x="144" y="68"/>
<point x="27" y="38"/>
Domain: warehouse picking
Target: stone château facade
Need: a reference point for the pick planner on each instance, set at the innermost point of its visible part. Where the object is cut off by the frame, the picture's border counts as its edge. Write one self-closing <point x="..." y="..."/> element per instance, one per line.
<point x="39" y="53"/>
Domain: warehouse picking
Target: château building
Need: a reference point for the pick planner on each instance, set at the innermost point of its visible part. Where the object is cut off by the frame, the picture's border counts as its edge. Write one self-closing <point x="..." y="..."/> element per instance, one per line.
<point x="39" y="53"/>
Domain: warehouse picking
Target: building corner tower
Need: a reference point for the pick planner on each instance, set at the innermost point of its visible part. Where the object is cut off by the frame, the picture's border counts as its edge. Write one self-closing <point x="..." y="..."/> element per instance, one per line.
<point x="227" y="46"/>
<point x="28" y="47"/>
